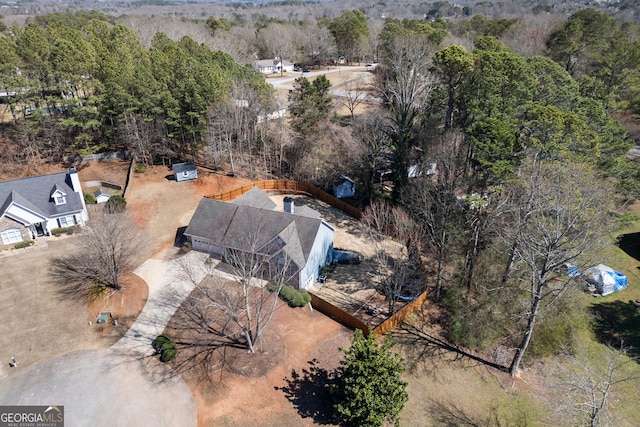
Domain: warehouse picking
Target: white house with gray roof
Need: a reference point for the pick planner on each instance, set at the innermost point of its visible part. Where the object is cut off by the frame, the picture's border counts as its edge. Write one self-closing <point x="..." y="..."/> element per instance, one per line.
<point x="31" y="207"/>
<point x="266" y="66"/>
<point x="249" y="225"/>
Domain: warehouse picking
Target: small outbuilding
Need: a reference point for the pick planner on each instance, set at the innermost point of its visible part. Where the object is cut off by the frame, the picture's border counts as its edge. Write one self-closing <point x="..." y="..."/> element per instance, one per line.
<point x="344" y="187"/>
<point x="101" y="195"/>
<point x="185" y="171"/>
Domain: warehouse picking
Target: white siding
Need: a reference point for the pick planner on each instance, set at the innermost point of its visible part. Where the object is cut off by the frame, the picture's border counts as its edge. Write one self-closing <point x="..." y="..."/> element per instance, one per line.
<point x="207" y="246"/>
<point x="319" y="256"/>
<point x="22" y="215"/>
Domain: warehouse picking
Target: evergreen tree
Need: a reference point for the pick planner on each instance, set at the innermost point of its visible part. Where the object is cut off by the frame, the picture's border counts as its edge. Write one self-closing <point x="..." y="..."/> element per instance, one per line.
<point x="368" y="389"/>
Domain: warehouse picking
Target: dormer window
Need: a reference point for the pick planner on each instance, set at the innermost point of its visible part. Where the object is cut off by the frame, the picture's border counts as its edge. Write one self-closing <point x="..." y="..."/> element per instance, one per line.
<point x="59" y="197"/>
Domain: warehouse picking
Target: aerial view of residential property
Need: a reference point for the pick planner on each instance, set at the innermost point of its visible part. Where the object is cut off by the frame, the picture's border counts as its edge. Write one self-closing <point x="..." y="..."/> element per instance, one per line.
<point x="289" y="213"/>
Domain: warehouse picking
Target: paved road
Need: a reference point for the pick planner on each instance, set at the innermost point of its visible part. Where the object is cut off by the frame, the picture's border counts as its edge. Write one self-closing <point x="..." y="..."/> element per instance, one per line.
<point x="286" y="83"/>
<point x="124" y="385"/>
<point x="104" y="388"/>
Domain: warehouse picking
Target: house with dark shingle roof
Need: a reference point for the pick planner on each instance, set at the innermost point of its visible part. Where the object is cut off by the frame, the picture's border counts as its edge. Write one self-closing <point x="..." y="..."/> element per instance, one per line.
<point x="249" y="225"/>
<point x="34" y="206"/>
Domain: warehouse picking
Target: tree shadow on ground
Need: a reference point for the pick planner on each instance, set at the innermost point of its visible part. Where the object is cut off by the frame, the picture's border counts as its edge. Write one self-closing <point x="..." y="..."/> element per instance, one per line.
<point x="449" y="414"/>
<point x="427" y="347"/>
<point x="308" y="391"/>
<point x="630" y="244"/>
<point x="617" y="324"/>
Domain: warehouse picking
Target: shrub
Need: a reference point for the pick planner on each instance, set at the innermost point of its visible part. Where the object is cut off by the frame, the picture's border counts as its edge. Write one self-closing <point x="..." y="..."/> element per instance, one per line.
<point x="300" y="299"/>
<point x="160" y="341"/>
<point x="165" y="346"/>
<point x="272" y="286"/>
<point x="287" y="292"/>
<point x="93" y="149"/>
<point x="23" y="244"/>
<point x="58" y="231"/>
<point x="89" y="199"/>
<point x="168" y="354"/>
<point x="141" y="168"/>
<point x="188" y="245"/>
<point x="293" y="297"/>
<point x="115" y="204"/>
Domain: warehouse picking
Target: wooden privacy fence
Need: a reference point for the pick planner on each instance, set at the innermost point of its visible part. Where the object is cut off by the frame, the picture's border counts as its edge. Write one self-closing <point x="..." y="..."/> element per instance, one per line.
<point x="286" y="185"/>
<point x="338" y="314"/>
<point x="396" y="318"/>
<point x="127" y="183"/>
<point x="353" y="322"/>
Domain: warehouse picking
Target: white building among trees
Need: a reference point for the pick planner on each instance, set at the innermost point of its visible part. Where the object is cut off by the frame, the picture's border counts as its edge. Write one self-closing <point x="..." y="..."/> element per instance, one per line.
<point x="267" y="66"/>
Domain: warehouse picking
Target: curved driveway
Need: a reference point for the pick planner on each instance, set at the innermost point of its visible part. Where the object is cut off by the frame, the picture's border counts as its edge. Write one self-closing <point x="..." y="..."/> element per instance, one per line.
<point x="124" y="385"/>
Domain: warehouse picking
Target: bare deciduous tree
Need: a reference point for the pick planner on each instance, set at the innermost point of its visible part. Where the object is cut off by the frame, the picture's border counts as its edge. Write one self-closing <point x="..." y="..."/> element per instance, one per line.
<point x="566" y="223"/>
<point x="405" y="83"/>
<point x="397" y="262"/>
<point x="587" y="385"/>
<point x="369" y="132"/>
<point x="433" y="203"/>
<point x="236" y="301"/>
<point x="352" y="94"/>
<point x="108" y="247"/>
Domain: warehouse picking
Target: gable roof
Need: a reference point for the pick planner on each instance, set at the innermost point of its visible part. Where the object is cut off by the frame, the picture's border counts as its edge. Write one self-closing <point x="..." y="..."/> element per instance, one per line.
<point x="184" y="167"/>
<point x="101" y="192"/>
<point x="272" y="63"/>
<point x="57" y="189"/>
<point x="34" y="193"/>
<point x="255" y="198"/>
<point x="255" y="229"/>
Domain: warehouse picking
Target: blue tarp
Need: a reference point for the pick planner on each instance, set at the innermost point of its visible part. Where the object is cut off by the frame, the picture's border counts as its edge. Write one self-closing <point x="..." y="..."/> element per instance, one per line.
<point x="606" y="279"/>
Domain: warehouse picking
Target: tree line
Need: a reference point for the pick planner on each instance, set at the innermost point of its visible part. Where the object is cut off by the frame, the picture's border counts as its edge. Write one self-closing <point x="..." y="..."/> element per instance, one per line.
<point x="521" y="144"/>
<point x="77" y="83"/>
<point x="523" y="148"/>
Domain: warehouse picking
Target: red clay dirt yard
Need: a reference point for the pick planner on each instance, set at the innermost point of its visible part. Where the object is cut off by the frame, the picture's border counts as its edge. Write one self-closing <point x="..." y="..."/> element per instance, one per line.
<point x="298" y="336"/>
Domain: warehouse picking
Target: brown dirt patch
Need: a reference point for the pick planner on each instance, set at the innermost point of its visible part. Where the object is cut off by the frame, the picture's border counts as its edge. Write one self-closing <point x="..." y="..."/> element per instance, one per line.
<point x="161" y="206"/>
<point x="304" y="337"/>
<point x="124" y="307"/>
<point x="241" y="362"/>
<point x="113" y="172"/>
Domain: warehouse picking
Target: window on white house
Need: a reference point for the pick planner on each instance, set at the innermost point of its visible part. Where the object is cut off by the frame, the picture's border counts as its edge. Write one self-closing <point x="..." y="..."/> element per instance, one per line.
<point x="59" y="199"/>
<point x="11" y="235"/>
<point x="66" y="221"/>
<point x="185" y="173"/>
